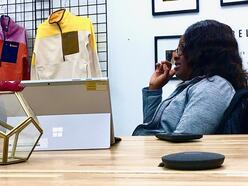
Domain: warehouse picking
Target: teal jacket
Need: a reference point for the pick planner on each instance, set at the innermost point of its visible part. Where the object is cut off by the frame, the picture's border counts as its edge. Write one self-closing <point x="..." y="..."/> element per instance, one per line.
<point x="196" y="106"/>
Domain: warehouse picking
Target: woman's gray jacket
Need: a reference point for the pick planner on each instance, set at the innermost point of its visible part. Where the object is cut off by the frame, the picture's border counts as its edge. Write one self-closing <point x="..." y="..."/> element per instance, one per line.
<point x="196" y="106"/>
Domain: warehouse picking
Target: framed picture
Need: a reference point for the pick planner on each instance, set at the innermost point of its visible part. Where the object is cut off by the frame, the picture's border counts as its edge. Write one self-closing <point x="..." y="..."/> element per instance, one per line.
<point x="163" y="7"/>
<point x="164" y="46"/>
<point x="232" y="2"/>
<point x="240" y="31"/>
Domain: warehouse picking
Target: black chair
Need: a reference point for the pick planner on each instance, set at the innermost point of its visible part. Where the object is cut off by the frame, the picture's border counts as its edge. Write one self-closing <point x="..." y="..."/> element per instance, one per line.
<point x="235" y="118"/>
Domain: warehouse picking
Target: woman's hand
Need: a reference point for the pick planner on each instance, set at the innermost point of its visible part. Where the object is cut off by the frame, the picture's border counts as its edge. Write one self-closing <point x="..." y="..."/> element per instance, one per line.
<point x="161" y="76"/>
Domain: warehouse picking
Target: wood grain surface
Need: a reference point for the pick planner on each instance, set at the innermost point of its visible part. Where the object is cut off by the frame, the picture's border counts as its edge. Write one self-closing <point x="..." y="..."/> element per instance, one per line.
<point x="134" y="161"/>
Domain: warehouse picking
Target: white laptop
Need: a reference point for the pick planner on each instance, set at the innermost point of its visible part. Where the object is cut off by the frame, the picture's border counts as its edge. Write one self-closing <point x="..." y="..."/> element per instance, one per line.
<point x="74" y="114"/>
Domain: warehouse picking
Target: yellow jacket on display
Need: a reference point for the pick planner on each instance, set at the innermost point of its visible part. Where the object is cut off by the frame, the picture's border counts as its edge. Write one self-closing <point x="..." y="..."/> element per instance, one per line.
<point x="65" y="48"/>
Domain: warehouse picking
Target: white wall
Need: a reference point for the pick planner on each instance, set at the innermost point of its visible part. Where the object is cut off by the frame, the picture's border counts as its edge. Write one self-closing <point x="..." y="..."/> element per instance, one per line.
<point x="131" y="31"/>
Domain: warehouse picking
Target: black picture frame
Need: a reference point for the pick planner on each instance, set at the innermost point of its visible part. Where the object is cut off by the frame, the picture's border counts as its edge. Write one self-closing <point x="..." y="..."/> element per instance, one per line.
<point x="162" y="44"/>
<point x="234" y="2"/>
<point x="163" y="7"/>
<point x="159" y="49"/>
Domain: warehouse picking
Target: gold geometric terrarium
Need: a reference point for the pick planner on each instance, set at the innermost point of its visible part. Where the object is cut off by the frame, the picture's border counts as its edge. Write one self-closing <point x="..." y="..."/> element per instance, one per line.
<point x="19" y="128"/>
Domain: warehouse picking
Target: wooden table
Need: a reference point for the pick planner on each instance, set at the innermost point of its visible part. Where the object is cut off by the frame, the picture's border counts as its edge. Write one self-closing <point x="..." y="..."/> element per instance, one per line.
<point x="134" y="161"/>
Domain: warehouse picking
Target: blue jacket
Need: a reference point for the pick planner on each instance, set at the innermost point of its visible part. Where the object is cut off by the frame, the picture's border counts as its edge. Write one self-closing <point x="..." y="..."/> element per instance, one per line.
<point x="196" y="106"/>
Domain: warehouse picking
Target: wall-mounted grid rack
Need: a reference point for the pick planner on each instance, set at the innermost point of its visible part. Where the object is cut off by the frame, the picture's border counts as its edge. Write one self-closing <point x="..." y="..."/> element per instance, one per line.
<point x="30" y="13"/>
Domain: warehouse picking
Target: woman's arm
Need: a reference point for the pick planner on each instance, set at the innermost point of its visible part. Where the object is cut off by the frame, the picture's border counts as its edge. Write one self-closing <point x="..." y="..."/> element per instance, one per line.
<point x="151" y="100"/>
<point x="152" y="95"/>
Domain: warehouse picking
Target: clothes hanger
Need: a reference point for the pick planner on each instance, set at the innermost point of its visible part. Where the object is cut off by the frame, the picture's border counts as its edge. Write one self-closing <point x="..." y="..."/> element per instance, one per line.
<point x="3" y="9"/>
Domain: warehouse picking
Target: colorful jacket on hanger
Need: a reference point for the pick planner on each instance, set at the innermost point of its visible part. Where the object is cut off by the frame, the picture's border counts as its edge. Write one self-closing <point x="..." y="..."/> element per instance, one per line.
<point x="13" y="51"/>
<point x="65" y="48"/>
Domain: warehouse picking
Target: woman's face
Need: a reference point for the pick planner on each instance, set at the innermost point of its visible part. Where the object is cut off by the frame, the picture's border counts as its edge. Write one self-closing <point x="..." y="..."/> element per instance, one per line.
<point x="183" y="70"/>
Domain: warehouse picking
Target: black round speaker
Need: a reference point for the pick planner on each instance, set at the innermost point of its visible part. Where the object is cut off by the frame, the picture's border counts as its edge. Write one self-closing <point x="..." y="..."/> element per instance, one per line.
<point x="193" y="160"/>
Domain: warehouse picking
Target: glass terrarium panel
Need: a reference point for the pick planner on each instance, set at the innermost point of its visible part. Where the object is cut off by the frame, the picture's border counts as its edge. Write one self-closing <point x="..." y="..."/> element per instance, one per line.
<point x="11" y="157"/>
<point x="5" y="127"/>
<point x="11" y="111"/>
<point x="23" y="142"/>
<point x="1" y="149"/>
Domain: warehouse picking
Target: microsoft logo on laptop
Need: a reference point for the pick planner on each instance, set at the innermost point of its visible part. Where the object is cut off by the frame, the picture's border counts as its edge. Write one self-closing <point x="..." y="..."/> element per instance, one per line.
<point x="57" y="132"/>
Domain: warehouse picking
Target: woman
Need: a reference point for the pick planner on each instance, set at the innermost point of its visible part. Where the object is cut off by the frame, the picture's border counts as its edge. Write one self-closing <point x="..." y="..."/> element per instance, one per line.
<point x="207" y="60"/>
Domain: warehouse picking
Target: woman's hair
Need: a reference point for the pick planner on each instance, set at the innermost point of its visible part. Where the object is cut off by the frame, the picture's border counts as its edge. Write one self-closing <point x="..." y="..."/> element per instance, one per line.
<point x="211" y="49"/>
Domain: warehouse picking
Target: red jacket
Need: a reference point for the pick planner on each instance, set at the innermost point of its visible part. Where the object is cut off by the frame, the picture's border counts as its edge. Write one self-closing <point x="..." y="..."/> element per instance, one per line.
<point x="13" y="51"/>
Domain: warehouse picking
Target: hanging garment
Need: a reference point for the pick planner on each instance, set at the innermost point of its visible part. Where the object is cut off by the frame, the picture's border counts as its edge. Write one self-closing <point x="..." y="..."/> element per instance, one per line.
<point x="65" y="48"/>
<point x="13" y="51"/>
